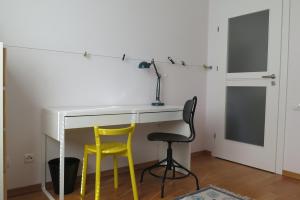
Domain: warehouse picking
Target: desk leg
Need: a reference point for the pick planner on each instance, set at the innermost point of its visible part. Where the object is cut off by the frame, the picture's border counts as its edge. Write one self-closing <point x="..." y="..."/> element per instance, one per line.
<point x="44" y="167"/>
<point x="181" y="151"/>
<point x="61" y="164"/>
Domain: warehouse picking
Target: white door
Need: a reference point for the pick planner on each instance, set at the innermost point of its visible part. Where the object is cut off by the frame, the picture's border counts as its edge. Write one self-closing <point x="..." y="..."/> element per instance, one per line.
<point x="248" y="40"/>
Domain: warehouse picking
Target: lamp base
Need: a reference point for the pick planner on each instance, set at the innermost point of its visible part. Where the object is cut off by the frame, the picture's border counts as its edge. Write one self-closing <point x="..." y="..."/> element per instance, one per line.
<point x="158" y="103"/>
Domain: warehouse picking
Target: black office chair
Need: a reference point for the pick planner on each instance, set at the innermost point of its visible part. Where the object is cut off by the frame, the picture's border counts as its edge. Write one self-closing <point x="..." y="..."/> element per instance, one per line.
<point x="169" y="163"/>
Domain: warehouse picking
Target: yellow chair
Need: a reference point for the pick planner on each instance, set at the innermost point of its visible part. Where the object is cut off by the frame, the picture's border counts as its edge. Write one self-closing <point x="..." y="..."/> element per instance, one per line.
<point x="102" y="149"/>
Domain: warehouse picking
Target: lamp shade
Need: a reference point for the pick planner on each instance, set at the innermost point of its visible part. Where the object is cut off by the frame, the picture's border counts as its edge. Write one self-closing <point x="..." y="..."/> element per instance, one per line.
<point x="144" y="65"/>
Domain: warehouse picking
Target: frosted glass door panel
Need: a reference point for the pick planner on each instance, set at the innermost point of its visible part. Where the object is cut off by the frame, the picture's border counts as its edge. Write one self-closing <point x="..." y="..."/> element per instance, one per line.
<point x="248" y="42"/>
<point x="245" y="114"/>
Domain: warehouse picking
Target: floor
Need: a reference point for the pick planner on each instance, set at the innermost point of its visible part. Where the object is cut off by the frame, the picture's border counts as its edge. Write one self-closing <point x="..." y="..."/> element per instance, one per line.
<point x="237" y="178"/>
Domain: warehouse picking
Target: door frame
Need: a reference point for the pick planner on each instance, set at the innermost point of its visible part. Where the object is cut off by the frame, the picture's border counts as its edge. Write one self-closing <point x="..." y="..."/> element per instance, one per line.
<point x="283" y="80"/>
<point x="213" y="75"/>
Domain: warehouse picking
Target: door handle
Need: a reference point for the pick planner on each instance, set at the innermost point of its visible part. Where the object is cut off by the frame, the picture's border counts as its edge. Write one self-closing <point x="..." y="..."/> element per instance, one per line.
<point x="272" y="76"/>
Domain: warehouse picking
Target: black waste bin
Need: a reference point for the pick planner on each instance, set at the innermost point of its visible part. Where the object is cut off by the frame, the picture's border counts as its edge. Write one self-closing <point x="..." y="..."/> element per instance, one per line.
<point x="71" y="169"/>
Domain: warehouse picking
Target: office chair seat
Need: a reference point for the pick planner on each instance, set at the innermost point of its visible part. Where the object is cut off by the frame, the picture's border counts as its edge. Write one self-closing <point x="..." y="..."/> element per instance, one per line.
<point x="167" y="137"/>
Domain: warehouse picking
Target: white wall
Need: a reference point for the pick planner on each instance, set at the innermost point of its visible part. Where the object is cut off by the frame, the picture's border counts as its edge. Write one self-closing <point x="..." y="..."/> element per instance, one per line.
<point x="292" y="129"/>
<point x="141" y="29"/>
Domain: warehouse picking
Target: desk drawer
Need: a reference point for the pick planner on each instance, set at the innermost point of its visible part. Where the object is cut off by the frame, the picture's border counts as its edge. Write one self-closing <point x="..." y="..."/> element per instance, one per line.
<point x="99" y="120"/>
<point x="160" y="116"/>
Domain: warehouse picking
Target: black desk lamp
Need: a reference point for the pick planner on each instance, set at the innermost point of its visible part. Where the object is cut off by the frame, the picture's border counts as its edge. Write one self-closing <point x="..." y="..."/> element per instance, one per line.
<point x="145" y="65"/>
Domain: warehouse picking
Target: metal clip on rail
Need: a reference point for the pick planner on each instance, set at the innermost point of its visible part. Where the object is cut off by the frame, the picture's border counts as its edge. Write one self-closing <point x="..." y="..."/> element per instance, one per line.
<point x="207" y="67"/>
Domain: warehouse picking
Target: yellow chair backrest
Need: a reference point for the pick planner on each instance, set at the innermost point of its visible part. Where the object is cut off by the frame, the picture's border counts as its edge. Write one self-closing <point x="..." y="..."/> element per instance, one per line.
<point x="114" y="132"/>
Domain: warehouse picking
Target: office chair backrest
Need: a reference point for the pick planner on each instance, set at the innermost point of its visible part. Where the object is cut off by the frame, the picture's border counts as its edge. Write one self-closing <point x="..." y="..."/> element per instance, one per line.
<point x="188" y="115"/>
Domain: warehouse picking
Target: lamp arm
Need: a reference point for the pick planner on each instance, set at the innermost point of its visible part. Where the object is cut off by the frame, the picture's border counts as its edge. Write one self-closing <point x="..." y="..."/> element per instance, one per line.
<point x="158" y="102"/>
<point x="158" y="89"/>
<point x="158" y="81"/>
<point x="157" y="74"/>
<point x="145" y="64"/>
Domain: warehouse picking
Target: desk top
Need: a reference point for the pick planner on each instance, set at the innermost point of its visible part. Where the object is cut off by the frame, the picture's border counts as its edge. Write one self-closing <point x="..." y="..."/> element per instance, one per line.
<point x="69" y="111"/>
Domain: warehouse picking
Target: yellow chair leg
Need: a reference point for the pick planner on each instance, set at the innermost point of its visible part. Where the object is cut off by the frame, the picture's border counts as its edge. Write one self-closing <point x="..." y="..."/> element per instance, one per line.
<point x="98" y="174"/>
<point x="83" y="177"/>
<point x="116" y="182"/>
<point x="132" y="175"/>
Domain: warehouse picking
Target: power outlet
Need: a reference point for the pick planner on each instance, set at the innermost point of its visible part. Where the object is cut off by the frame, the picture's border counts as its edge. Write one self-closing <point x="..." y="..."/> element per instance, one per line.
<point x="28" y="158"/>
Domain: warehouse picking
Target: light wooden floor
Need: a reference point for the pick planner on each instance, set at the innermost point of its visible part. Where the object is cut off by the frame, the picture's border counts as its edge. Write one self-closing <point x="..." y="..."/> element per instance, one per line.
<point x="240" y="179"/>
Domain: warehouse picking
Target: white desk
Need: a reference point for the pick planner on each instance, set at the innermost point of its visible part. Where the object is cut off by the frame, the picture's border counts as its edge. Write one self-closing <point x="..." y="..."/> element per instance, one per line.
<point x="56" y="119"/>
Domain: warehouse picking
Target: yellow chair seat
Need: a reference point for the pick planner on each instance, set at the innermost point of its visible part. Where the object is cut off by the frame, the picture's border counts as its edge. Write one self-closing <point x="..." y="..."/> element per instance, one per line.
<point x="108" y="148"/>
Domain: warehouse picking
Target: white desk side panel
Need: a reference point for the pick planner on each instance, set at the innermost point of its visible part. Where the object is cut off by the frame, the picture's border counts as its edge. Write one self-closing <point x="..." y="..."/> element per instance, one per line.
<point x="50" y="123"/>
